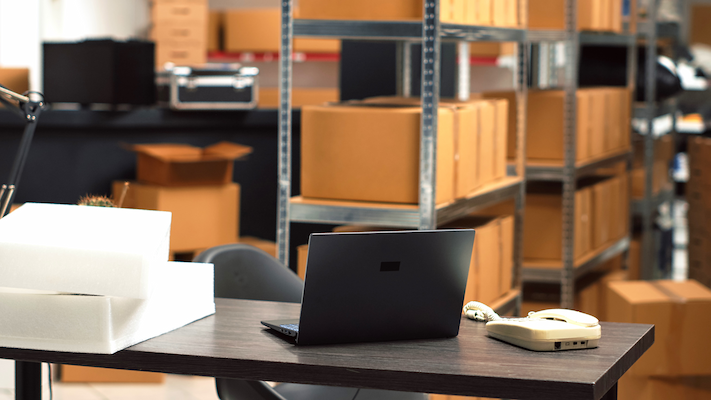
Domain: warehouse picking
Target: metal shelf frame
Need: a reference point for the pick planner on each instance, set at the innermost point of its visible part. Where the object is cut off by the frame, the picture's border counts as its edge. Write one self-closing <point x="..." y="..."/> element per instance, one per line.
<point x="430" y="32"/>
<point x="569" y="171"/>
<point x="646" y="207"/>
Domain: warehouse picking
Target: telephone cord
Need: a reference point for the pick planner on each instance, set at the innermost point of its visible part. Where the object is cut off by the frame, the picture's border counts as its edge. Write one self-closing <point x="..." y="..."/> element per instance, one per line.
<point x="480" y="312"/>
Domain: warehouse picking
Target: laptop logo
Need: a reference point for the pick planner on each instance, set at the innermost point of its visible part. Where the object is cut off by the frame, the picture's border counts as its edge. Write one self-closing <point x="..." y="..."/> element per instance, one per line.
<point x="389" y="266"/>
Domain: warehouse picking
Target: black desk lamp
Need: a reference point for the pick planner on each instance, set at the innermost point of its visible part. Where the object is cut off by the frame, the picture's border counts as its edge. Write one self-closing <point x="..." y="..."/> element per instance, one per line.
<point x="29" y="110"/>
<point x="28" y="376"/>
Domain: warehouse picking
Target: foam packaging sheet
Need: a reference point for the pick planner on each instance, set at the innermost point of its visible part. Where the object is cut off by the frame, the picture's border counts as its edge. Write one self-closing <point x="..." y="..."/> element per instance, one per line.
<point x="184" y="293"/>
<point x="82" y="249"/>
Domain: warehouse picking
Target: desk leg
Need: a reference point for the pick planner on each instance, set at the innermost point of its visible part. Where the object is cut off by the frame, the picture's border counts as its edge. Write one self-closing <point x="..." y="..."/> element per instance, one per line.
<point x="28" y="381"/>
<point x="611" y="394"/>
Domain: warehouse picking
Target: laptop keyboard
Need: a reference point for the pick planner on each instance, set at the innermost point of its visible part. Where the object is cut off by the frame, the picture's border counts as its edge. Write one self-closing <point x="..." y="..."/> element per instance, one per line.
<point x="293" y="327"/>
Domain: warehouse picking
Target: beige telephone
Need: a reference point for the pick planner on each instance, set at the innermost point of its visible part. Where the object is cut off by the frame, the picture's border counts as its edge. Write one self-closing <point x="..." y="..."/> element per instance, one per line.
<point x="547" y="330"/>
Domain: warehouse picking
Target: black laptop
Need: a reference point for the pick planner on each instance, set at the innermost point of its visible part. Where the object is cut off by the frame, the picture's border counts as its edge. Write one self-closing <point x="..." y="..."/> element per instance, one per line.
<point x="379" y="286"/>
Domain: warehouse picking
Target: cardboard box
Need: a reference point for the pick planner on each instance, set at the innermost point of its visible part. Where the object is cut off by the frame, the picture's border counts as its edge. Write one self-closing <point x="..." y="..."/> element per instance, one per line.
<point x="484" y="15"/>
<point x="269" y="97"/>
<point x="512" y="123"/>
<point x="169" y="164"/>
<point x="253" y="30"/>
<point x="302" y="254"/>
<point x="305" y="45"/>
<point x="593" y="15"/>
<point x="498" y="13"/>
<point x="501" y="119"/>
<point x="392" y="10"/>
<point x="486" y="142"/>
<point x="681" y="313"/>
<point x="15" y="79"/>
<point x="215" y="26"/>
<point x="203" y="216"/>
<point x="371" y="153"/>
<point x="176" y="31"/>
<point x="632" y="387"/>
<point x="483" y="282"/>
<point x="183" y="13"/>
<point x="76" y="373"/>
<point x="700" y="31"/>
<point x="180" y="53"/>
<point x="602" y="205"/>
<point x="598" y="120"/>
<point x="507" y="254"/>
<point x="584" y="224"/>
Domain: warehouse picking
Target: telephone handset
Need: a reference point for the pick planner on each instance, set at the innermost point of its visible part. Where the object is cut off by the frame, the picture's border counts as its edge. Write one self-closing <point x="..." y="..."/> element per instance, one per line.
<point x="546" y="330"/>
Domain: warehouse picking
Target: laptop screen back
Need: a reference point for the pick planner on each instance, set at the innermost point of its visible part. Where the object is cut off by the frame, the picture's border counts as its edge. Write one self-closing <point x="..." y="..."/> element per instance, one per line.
<point x="376" y="286"/>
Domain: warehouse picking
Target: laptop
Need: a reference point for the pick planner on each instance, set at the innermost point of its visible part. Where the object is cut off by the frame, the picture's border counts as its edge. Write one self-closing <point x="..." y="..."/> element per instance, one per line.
<point x="381" y="286"/>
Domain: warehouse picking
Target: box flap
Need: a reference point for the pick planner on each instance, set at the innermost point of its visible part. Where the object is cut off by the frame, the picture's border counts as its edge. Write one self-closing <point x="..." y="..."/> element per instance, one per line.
<point x="687" y="290"/>
<point x="639" y="292"/>
<point x="226" y="150"/>
<point x="169" y="151"/>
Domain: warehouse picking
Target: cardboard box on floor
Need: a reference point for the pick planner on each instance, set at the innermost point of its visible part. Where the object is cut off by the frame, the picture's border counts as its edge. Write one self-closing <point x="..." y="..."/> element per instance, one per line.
<point x="169" y="164"/>
<point x="371" y="153"/>
<point x="632" y="387"/>
<point x="681" y="314"/>
<point x="76" y="374"/>
<point x="203" y="216"/>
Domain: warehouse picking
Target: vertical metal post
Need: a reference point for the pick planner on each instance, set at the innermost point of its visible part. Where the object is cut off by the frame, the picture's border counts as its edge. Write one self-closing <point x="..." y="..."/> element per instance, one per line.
<point x="631" y="85"/>
<point x="284" y="189"/>
<point x="28" y="380"/>
<point x="404" y="69"/>
<point x="648" y="256"/>
<point x="569" y="177"/>
<point x="463" y="71"/>
<point x="520" y="203"/>
<point x="430" y="106"/>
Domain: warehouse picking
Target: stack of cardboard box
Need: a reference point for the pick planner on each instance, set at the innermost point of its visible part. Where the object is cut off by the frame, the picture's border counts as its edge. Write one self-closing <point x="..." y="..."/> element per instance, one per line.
<point x="677" y="366"/>
<point x="601" y="218"/>
<point x="699" y="214"/>
<point x="180" y="31"/>
<point x="503" y="13"/>
<point x="369" y="151"/>
<point x="593" y="15"/>
<point x="195" y="185"/>
<point x="663" y="156"/>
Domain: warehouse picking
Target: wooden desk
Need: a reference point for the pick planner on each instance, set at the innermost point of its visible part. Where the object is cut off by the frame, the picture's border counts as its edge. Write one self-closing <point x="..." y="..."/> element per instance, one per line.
<point x="233" y="344"/>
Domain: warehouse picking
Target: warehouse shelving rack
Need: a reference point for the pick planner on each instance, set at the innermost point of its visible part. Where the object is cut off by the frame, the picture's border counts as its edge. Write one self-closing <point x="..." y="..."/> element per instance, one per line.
<point x="646" y="207"/>
<point x="427" y="215"/>
<point x="566" y="271"/>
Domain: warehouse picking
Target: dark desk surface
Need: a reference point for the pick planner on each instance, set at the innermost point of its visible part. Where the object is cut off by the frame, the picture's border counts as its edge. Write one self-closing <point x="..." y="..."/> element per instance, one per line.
<point x="233" y="343"/>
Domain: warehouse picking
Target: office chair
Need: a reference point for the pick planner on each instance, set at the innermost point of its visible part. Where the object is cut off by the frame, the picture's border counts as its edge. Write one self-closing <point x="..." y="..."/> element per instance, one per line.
<point x="246" y="272"/>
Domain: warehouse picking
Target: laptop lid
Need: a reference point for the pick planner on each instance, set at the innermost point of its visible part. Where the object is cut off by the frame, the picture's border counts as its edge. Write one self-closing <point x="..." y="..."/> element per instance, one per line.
<point x="377" y="286"/>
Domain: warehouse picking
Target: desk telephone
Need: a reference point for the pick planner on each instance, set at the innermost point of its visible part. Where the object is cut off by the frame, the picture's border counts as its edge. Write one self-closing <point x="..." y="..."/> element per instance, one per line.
<point x="547" y="330"/>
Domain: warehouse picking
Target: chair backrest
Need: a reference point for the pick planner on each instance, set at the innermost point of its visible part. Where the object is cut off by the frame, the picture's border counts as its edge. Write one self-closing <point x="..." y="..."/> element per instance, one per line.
<point x="246" y="272"/>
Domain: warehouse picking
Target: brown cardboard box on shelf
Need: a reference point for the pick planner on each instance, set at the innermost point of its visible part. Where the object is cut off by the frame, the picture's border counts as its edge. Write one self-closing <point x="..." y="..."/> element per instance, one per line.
<point x="170" y="164"/>
<point x="215" y="26"/>
<point x="371" y="153"/>
<point x="483" y="282"/>
<point x="305" y="45"/>
<point x="302" y="254"/>
<point x="506" y="247"/>
<point x="392" y="10"/>
<point x="584" y="224"/>
<point x="602" y="205"/>
<point x="202" y="216"/>
<point x="15" y="79"/>
<point x="76" y="373"/>
<point x="180" y="53"/>
<point x="501" y="119"/>
<point x="269" y="97"/>
<point x="253" y="30"/>
<point x="544" y="140"/>
<point x="598" y="120"/>
<point x="542" y="231"/>
<point x="483" y="12"/>
<point x="486" y="142"/>
<point x="681" y="313"/>
<point x="184" y="13"/>
<point x="511" y="124"/>
<point x="178" y="32"/>
<point x="593" y="15"/>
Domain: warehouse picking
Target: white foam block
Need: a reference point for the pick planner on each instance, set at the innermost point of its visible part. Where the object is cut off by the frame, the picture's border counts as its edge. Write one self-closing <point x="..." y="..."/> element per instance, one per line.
<point x="100" y="324"/>
<point x="83" y="249"/>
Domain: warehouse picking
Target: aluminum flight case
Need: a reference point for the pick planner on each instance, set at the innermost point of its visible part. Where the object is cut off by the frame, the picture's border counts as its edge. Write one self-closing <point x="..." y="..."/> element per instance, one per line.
<point x="218" y="87"/>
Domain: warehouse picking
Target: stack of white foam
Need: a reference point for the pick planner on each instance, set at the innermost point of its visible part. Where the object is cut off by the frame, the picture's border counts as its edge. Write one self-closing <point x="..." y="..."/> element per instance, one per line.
<point x="93" y="279"/>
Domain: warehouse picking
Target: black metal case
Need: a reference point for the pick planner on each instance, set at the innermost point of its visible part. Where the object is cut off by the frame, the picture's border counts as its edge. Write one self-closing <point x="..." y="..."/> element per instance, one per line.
<point x="209" y="88"/>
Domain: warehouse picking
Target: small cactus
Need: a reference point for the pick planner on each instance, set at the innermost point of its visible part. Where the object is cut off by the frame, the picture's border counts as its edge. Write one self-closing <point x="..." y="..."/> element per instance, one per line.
<point x="96" y="201"/>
